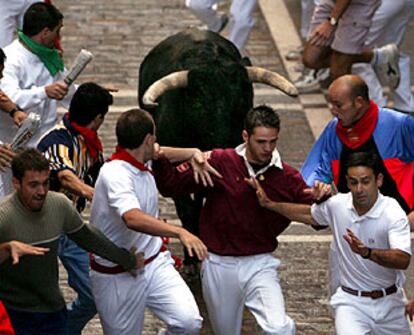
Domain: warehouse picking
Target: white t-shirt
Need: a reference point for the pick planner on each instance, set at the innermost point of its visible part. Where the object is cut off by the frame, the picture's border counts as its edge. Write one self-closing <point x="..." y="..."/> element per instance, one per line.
<point x="121" y="187"/>
<point x="384" y="226"/>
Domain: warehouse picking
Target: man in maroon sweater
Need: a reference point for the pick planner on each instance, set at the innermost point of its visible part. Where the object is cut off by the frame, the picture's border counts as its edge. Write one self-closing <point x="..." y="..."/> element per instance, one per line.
<point x="240" y="235"/>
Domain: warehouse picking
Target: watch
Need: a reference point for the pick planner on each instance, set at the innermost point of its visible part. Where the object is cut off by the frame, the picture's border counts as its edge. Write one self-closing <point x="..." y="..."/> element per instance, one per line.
<point x="368" y="254"/>
<point x="333" y="21"/>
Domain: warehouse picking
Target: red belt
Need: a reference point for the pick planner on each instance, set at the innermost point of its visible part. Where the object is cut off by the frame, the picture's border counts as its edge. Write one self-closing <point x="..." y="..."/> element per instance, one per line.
<point x="113" y="270"/>
<point x="371" y="294"/>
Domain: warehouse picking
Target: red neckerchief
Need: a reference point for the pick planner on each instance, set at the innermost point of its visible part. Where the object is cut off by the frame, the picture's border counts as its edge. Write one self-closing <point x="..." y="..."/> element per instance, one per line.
<point x="354" y="137"/>
<point x="93" y="143"/>
<point x="123" y="155"/>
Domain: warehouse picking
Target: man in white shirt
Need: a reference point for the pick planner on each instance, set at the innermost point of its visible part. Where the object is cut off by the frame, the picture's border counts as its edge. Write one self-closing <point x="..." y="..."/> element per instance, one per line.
<point x="34" y="71"/>
<point x="125" y="209"/>
<point x="372" y="238"/>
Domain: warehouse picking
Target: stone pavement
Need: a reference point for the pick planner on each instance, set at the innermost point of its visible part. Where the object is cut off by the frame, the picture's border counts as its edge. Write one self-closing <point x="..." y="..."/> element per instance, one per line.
<point x="120" y="33"/>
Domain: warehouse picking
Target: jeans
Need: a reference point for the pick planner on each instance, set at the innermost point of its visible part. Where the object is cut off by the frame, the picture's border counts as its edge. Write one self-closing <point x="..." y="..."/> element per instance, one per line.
<point x="37" y="323"/>
<point x="76" y="262"/>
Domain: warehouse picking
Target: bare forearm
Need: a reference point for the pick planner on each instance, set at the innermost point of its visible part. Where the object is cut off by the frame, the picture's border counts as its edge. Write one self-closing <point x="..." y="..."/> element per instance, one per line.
<point x="340" y="8"/>
<point x="294" y="212"/>
<point x="4" y="251"/>
<point x="390" y="258"/>
<point x="178" y="154"/>
<point x="144" y="223"/>
<point x="74" y="184"/>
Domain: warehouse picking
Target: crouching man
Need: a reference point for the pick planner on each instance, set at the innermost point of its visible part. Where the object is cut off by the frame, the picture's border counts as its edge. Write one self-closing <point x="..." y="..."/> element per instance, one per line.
<point x="372" y="236"/>
<point x="33" y="215"/>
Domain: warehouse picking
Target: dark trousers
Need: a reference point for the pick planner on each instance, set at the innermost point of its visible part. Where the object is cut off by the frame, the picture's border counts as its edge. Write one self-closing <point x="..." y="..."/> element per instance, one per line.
<point x="37" y="323"/>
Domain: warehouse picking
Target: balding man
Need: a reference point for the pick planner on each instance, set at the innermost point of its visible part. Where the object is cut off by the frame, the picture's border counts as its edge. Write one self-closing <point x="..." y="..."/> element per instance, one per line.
<point x="360" y="125"/>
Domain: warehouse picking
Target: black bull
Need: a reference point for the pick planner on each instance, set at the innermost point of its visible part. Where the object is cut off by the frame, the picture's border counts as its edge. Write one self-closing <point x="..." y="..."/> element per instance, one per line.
<point x="203" y="90"/>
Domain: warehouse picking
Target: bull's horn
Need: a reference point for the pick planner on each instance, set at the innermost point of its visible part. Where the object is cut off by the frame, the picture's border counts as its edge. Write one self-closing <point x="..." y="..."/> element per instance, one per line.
<point x="173" y="80"/>
<point x="260" y="75"/>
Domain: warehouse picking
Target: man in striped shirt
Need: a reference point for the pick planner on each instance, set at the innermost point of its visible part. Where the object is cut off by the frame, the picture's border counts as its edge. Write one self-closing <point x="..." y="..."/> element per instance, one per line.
<point x="75" y="154"/>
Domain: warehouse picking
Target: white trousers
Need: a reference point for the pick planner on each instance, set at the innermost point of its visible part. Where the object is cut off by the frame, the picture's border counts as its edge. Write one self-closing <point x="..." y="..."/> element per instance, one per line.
<point x="241" y="18"/>
<point x="121" y="299"/>
<point x="388" y="26"/>
<point x="362" y="315"/>
<point x="11" y="17"/>
<point x="230" y="283"/>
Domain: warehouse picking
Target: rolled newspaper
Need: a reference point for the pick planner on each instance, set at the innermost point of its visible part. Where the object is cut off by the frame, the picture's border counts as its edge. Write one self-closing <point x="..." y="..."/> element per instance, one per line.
<point x="80" y="63"/>
<point x="26" y="131"/>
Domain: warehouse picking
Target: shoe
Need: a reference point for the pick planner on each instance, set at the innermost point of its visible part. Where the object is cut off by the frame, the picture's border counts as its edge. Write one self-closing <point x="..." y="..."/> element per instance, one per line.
<point x="310" y="81"/>
<point x="224" y="21"/>
<point x="295" y="54"/>
<point x="387" y="68"/>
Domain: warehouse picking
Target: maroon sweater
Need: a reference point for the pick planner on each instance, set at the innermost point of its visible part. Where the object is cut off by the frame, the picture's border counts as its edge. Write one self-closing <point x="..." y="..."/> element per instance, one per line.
<point x="232" y="222"/>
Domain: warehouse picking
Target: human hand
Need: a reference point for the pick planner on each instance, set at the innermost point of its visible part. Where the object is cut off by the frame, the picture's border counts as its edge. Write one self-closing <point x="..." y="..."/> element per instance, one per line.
<point x="19" y="117"/>
<point x="355" y="243"/>
<point x="202" y="169"/>
<point x="57" y="90"/>
<point x="319" y="190"/>
<point x="409" y="309"/>
<point x="16" y="249"/>
<point x="262" y="197"/>
<point x="5" y="102"/>
<point x="140" y="261"/>
<point x="6" y="156"/>
<point x="193" y="244"/>
<point x="321" y="35"/>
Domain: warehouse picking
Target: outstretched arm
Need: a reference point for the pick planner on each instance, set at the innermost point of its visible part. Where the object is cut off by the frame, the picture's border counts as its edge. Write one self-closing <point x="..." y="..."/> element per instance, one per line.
<point x="389" y="258"/>
<point x="294" y="212"/>
<point x="144" y="223"/>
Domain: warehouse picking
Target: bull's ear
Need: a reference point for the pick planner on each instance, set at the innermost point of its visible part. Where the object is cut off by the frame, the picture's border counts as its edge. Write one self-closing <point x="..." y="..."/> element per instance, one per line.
<point x="245" y="61"/>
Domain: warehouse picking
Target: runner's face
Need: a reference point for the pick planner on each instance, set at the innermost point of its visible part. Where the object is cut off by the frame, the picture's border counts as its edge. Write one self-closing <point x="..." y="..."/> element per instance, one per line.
<point x="341" y="104"/>
<point x="364" y="187"/>
<point x="33" y="188"/>
<point x="260" y="144"/>
<point x="50" y="36"/>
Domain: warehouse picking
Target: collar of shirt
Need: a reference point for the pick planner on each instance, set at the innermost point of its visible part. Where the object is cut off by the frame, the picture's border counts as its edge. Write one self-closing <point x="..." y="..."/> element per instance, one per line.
<point x="275" y="161"/>
<point x="374" y="213"/>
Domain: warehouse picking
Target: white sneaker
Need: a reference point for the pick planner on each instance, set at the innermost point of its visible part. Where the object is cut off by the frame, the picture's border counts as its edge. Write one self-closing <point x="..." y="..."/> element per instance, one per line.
<point x="295" y="54"/>
<point x="387" y="68"/>
<point x="310" y="82"/>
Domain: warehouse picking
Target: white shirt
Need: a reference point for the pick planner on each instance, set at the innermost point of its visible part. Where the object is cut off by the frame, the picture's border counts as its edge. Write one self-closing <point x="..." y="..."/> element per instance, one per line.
<point x="24" y="80"/>
<point x="121" y="187"/>
<point x="384" y="226"/>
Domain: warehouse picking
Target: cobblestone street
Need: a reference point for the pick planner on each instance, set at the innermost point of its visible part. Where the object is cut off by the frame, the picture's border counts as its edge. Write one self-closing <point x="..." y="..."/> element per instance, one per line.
<point x="119" y="34"/>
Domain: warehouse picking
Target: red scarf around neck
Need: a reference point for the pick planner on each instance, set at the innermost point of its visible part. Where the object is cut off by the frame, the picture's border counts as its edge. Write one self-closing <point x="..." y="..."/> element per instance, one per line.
<point x="92" y="140"/>
<point x="123" y="155"/>
<point x="354" y="137"/>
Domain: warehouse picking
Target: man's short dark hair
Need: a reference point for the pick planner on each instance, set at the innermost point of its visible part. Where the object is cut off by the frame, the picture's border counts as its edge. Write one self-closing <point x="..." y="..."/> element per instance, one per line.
<point x="28" y="160"/>
<point x="132" y="127"/>
<point x="364" y="158"/>
<point x="261" y="116"/>
<point x="2" y="57"/>
<point x="359" y="88"/>
<point x="39" y="16"/>
<point x="89" y="101"/>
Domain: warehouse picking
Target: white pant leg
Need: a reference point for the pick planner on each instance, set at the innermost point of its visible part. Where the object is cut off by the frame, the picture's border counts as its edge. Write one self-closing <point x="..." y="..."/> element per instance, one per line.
<point x="203" y="9"/>
<point x="120" y="300"/>
<point x="361" y="315"/>
<point x="222" y="294"/>
<point x="241" y="21"/>
<point x="402" y="96"/>
<point x="388" y="26"/>
<point x="171" y="300"/>
<point x="264" y="299"/>
<point x="307" y="11"/>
